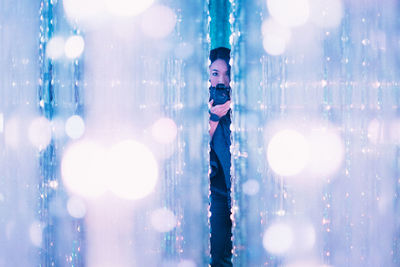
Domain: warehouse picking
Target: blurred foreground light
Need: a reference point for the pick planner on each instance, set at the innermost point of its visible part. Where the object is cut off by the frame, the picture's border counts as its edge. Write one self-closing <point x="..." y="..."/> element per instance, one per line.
<point x="163" y="220"/>
<point x="276" y="37"/>
<point x="39" y="132"/>
<point x="35" y="233"/>
<point x="76" y="207"/>
<point x="83" y="169"/>
<point x="1" y="122"/>
<point x="84" y="11"/>
<point x="326" y="14"/>
<point x="278" y="238"/>
<point x="127" y="8"/>
<point x="55" y="47"/>
<point x="158" y="21"/>
<point x="164" y="130"/>
<point x="394" y="131"/>
<point x="133" y="169"/>
<point x="75" y="127"/>
<point x="326" y="152"/>
<point x="12" y="132"/>
<point x="375" y="131"/>
<point x="187" y="263"/>
<point x="290" y="13"/>
<point x="251" y="187"/>
<point x="287" y="152"/>
<point x="74" y="46"/>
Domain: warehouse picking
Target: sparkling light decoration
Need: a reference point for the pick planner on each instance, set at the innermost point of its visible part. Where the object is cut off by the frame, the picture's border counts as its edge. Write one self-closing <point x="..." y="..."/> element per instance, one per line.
<point x="337" y="65"/>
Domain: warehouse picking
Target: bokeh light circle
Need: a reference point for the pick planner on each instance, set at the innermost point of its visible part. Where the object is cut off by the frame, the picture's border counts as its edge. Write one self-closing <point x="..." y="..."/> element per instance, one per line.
<point x="74" y="46"/>
<point x="84" y="169"/>
<point x="163" y="220"/>
<point x="164" y="130"/>
<point x="55" y="47"/>
<point x="84" y="12"/>
<point x="39" y="132"/>
<point x="76" y="207"/>
<point x="275" y="37"/>
<point x="251" y="187"/>
<point x="326" y="152"/>
<point x="288" y="152"/>
<point x="290" y="13"/>
<point x="75" y="127"/>
<point x="326" y="14"/>
<point x="127" y="8"/>
<point x="133" y="168"/>
<point x="158" y="21"/>
<point x="278" y="238"/>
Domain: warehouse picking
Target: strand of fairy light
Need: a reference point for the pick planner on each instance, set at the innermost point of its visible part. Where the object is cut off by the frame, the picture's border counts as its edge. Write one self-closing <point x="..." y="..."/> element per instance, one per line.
<point x="46" y="158"/>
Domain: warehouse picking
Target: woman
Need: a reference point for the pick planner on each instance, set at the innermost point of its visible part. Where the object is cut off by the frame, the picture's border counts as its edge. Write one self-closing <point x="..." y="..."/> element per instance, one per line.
<point x="220" y="158"/>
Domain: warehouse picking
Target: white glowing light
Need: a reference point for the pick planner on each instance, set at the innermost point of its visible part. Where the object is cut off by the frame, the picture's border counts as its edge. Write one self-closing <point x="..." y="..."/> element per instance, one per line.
<point x="75" y="127"/>
<point x="127" y="8"/>
<point x="187" y="263"/>
<point x="278" y="238"/>
<point x="1" y="122"/>
<point x="394" y="131"/>
<point x="276" y="37"/>
<point x="55" y="47"/>
<point x="84" y="170"/>
<point x="326" y="14"/>
<point x="287" y="152"/>
<point x="326" y="152"/>
<point x="305" y="236"/>
<point x="163" y="220"/>
<point x="158" y="21"/>
<point x="133" y="169"/>
<point x="83" y="11"/>
<point x="164" y="130"/>
<point x="35" y="233"/>
<point x="251" y="187"/>
<point x="12" y="132"/>
<point x="375" y="131"/>
<point x="39" y="132"/>
<point x="290" y="13"/>
<point x="74" y="46"/>
<point x="76" y="207"/>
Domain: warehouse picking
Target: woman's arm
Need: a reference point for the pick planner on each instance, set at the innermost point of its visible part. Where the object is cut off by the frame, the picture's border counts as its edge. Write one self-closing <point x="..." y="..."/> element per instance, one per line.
<point x="220" y="111"/>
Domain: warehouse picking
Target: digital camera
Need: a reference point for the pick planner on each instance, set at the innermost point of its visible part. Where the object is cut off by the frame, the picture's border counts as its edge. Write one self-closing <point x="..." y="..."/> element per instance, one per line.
<point x="220" y="94"/>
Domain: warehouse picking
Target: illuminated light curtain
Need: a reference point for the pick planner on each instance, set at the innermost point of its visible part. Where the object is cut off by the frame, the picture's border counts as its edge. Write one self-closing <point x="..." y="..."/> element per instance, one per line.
<point x="59" y="96"/>
<point x="337" y="74"/>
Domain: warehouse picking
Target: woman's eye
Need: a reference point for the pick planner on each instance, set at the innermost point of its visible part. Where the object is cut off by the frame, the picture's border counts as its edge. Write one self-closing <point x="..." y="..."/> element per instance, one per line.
<point x="215" y="74"/>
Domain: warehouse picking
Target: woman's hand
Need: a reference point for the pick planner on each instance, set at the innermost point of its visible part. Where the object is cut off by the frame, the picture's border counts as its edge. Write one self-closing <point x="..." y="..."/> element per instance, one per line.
<point x="220" y="110"/>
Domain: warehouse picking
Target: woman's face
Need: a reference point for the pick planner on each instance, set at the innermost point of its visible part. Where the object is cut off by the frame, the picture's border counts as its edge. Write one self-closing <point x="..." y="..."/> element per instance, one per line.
<point x="219" y="73"/>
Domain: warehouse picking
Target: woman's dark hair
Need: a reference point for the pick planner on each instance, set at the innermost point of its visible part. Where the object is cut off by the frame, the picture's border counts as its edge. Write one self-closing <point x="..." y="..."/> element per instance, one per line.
<point x="221" y="53"/>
